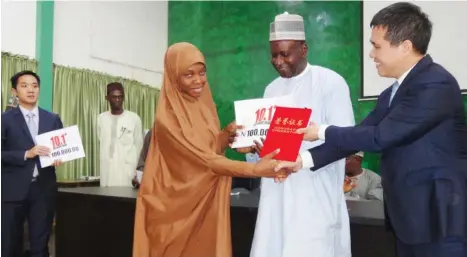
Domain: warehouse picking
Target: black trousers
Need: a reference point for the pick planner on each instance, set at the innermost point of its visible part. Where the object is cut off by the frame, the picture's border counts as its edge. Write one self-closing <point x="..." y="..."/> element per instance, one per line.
<point x="449" y="247"/>
<point x="38" y="209"/>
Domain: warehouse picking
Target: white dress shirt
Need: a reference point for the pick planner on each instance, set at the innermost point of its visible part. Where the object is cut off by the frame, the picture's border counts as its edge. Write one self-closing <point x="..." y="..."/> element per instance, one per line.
<point x="35" y="119"/>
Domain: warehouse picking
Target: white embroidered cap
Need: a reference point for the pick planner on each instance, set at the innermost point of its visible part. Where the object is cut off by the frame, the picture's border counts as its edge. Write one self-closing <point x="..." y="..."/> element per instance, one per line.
<point x="287" y="27"/>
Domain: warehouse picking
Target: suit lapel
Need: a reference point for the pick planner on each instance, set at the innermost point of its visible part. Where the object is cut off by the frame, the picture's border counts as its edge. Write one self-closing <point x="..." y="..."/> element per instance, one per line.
<point x="420" y="66"/>
<point x="383" y="104"/>
<point x="22" y="123"/>
<point x="385" y="96"/>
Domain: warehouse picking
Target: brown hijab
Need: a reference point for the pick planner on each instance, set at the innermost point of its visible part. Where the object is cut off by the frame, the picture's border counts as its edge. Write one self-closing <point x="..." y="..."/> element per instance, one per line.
<point x="183" y="206"/>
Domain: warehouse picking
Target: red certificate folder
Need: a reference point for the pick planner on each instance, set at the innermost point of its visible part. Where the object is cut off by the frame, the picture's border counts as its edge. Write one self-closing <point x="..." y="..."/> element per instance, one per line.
<point x="282" y="132"/>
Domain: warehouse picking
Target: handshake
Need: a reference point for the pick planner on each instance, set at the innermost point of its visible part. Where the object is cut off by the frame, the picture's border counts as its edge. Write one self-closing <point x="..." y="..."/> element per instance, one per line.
<point x="267" y="166"/>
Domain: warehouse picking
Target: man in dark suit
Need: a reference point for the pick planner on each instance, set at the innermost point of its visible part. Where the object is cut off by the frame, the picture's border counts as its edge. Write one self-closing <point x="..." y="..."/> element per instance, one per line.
<point x="419" y="127"/>
<point x="142" y="158"/>
<point x="28" y="190"/>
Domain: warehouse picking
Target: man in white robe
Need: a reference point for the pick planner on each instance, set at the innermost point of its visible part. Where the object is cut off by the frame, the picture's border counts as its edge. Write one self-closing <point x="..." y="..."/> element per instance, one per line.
<point x="361" y="183"/>
<point x="120" y="136"/>
<point x="306" y="215"/>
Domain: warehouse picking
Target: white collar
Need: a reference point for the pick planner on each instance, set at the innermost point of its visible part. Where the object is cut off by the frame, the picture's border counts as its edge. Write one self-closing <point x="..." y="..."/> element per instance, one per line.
<point x="25" y="111"/>
<point x="308" y="66"/>
<point x="404" y="75"/>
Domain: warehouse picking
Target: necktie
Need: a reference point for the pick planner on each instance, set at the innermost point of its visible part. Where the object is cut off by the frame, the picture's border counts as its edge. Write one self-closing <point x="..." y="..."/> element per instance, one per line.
<point x="32" y="125"/>
<point x="33" y="130"/>
<point x="394" y="86"/>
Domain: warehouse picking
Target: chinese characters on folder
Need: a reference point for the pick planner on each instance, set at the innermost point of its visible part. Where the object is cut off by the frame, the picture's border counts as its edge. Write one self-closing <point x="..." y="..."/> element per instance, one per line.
<point x="282" y="132"/>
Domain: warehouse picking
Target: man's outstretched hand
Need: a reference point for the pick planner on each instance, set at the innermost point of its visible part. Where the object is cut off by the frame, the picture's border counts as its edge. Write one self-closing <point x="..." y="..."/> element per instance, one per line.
<point x="266" y="167"/>
<point x="310" y="133"/>
<point x="288" y="167"/>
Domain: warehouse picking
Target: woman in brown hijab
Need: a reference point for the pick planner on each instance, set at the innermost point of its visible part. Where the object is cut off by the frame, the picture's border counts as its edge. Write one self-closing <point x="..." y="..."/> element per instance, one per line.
<point x="183" y="206"/>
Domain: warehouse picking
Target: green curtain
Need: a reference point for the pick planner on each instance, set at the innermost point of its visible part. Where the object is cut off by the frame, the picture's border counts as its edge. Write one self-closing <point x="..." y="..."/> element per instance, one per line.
<point x="12" y="64"/>
<point x="79" y="97"/>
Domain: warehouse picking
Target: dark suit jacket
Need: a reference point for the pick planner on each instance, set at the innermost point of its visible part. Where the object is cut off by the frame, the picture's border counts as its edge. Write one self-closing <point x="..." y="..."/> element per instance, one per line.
<point x="16" y="140"/>
<point x="423" y="140"/>
<point x="144" y="151"/>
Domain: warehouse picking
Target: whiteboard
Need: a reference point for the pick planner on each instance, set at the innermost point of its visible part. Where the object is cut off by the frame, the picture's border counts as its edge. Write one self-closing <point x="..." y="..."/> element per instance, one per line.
<point x="448" y="45"/>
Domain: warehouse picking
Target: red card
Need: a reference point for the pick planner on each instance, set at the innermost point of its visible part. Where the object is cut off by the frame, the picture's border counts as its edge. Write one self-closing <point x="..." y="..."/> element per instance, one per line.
<point x="282" y="132"/>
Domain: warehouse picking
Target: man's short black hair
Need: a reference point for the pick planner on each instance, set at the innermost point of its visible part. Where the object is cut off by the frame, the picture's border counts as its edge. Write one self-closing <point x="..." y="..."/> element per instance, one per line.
<point x="15" y="78"/>
<point x="114" y="86"/>
<point x="405" y="21"/>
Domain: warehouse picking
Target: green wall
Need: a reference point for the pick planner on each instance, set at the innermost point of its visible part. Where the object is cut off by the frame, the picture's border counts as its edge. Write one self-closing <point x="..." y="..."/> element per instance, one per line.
<point x="234" y="38"/>
<point x="44" y="51"/>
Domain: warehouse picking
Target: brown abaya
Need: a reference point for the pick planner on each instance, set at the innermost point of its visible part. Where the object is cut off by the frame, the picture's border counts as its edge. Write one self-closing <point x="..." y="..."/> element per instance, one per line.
<point x="183" y="206"/>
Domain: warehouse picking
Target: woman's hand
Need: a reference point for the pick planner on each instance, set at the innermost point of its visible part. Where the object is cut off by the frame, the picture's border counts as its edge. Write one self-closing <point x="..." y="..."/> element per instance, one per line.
<point x="266" y="166"/>
<point x="245" y="150"/>
<point x="256" y="148"/>
<point x="228" y="134"/>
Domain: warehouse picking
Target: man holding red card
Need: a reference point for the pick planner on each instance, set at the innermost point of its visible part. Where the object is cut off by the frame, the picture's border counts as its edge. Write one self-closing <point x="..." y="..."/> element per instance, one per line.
<point x="419" y="126"/>
<point x="306" y="215"/>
